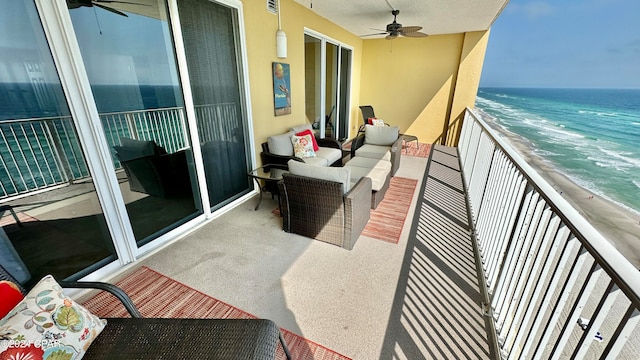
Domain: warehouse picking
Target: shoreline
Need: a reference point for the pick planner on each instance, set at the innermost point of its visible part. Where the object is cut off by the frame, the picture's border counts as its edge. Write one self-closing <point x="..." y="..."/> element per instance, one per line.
<point x="620" y="226"/>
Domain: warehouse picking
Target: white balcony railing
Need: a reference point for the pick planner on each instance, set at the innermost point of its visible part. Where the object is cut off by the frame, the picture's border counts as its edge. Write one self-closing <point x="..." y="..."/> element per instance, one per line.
<point x="558" y="288"/>
<point x="39" y="153"/>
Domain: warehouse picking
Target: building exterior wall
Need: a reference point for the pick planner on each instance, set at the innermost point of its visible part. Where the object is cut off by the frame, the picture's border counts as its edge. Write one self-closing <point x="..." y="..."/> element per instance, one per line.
<point x="419" y="83"/>
<point x="261" y="27"/>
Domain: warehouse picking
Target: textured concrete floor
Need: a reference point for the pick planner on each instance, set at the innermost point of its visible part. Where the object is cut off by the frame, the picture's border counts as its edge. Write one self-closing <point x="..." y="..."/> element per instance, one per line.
<point x="340" y="299"/>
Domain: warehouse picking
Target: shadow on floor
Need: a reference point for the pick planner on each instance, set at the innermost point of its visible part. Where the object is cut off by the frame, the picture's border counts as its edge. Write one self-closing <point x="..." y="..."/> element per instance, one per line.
<point x="437" y="312"/>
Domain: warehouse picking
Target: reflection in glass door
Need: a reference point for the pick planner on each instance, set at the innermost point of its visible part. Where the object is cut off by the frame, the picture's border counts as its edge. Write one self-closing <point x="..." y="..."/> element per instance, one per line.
<point x="52" y="221"/>
<point x="313" y="83"/>
<point x="209" y="31"/>
<point x="344" y="95"/>
<point x="331" y="90"/>
<point x="327" y="86"/>
<point x="128" y="55"/>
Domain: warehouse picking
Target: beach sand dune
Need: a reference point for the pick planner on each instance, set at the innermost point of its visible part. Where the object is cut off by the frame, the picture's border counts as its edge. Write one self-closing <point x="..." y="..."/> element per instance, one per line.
<point x="617" y="224"/>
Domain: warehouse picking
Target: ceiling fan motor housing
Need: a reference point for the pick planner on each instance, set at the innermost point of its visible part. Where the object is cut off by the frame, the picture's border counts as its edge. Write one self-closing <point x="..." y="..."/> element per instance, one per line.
<point x="394" y="27"/>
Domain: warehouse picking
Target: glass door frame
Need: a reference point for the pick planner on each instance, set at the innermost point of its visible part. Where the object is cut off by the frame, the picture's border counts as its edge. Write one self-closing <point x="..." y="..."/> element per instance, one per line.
<point x="324" y="40"/>
<point x="245" y="94"/>
<point x="61" y="38"/>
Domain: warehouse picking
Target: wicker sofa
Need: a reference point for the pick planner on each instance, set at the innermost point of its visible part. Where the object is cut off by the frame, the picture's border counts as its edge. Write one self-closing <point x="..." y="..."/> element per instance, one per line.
<point x="322" y="204"/>
<point x="278" y="149"/>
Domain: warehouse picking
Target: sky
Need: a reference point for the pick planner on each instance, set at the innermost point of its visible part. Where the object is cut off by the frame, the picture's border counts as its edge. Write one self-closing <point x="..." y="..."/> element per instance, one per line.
<point x="565" y="44"/>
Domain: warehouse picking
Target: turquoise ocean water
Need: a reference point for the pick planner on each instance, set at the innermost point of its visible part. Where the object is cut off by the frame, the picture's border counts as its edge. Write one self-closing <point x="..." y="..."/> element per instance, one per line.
<point x="590" y="135"/>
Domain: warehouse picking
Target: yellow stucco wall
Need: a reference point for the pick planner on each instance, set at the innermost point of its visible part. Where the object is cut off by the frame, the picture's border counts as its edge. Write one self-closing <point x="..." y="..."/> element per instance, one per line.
<point x="261" y="27"/>
<point x="415" y="83"/>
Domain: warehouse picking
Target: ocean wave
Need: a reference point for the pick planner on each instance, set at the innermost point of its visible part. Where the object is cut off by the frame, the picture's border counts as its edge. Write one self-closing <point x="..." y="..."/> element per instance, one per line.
<point x="635" y="123"/>
<point x="623" y="156"/>
<point x="598" y="113"/>
<point x="559" y="133"/>
<point x="636" y="183"/>
<point x="546" y="153"/>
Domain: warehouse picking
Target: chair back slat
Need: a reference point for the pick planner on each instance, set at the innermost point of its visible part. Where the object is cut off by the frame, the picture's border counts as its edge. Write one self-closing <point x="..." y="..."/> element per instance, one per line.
<point x="367" y="112"/>
<point x="5" y="275"/>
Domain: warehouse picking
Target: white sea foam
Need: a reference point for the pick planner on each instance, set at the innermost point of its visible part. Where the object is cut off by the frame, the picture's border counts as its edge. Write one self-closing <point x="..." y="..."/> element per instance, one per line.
<point x="598" y="113"/>
<point x="622" y="157"/>
<point x="563" y="134"/>
<point x="597" y="145"/>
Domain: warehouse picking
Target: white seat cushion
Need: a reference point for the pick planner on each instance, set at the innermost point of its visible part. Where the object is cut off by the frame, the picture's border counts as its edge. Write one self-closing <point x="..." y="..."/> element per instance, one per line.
<point x="316" y="160"/>
<point x="336" y="174"/>
<point x="281" y="144"/>
<point x="365" y="162"/>
<point x="331" y="154"/>
<point x="300" y="128"/>
<point x="380" y="135"/>
<point x="377" y="176"/>
<point x="374" y="152"/>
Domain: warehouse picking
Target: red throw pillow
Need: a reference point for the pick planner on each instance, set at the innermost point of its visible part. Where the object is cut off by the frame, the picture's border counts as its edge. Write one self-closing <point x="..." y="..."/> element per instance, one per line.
<point x="10" y="295"/>
<point x="370" y="120"/>
<point x="313" y="138"/>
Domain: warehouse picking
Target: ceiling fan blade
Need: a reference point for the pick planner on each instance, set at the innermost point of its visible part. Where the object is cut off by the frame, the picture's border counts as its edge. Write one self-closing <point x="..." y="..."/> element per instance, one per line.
<point x="391" y="36"/>
<point x="110" y="9"/>
<point x="416" y="34"/>
<point x="408" y="29"/>
<point x="120" y="2"/>
<point x="382" y="33"/>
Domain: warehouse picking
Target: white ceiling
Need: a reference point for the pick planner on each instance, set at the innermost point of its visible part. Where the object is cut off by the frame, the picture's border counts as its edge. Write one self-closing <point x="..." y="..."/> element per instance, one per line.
<point x="436" y="17"/>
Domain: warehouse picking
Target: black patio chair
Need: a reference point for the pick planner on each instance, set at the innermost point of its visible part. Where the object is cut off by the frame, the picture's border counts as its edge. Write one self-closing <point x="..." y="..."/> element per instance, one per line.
<point x="154" y="338"/>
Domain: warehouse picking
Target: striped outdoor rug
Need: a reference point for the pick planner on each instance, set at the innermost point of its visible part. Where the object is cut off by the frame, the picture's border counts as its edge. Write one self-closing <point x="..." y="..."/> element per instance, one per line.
<point x="412" y="149"/>
<point x="408" y="148"/>
<point x="387" y="219"/>
<point x="159" y="296"/>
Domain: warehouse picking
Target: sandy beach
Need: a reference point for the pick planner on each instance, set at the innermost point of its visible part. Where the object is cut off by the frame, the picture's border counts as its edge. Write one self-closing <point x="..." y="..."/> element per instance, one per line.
<point x="617" y="224"/>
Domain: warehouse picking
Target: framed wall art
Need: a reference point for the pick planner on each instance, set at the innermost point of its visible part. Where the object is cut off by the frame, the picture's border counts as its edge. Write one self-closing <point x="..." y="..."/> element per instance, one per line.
<point x="281" y="88"/>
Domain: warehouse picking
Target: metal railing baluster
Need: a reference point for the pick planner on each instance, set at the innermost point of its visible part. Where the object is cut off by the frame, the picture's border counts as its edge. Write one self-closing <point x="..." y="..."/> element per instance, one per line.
<point x="544" y="265"/>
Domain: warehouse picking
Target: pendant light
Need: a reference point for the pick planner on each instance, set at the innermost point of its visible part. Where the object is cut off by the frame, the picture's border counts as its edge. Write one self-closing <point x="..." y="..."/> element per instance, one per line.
<point x="281" y="39"/>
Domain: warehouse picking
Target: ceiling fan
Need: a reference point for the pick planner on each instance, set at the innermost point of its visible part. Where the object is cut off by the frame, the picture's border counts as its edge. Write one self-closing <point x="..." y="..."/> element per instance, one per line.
<point x="395" y="29"/>
<point x="74" y="4"/>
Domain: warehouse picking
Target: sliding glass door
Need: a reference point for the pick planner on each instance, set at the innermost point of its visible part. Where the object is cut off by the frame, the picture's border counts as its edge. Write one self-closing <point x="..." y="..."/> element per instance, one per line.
<point x="52" y="221"/>
<point x="106" y="145"/>
<point x="344" y="94"/>
<point x="327" y="86"/>
<point x="209" y="31"/>
<point x="128" y="55"/>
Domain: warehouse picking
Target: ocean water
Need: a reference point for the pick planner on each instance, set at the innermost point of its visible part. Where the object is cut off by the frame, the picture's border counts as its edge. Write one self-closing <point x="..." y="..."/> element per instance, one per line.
<point x="590" y="135"/>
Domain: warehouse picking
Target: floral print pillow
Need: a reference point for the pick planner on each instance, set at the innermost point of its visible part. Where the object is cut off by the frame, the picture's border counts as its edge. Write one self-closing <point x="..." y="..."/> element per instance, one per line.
<point x="303" y="146"/>
<point x="48" y="325"/>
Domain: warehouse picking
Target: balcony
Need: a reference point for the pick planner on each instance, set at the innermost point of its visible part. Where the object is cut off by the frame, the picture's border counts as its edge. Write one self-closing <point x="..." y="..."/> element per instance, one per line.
<point x="527" y="277"/>
<point x="491" y="263"/>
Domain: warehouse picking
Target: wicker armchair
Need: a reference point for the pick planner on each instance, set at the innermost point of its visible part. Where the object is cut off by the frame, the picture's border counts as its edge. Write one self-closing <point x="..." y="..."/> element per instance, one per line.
<point x="395" y="150"/>
<point x="318" y="209"/>
<point x="153" y="338"/>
